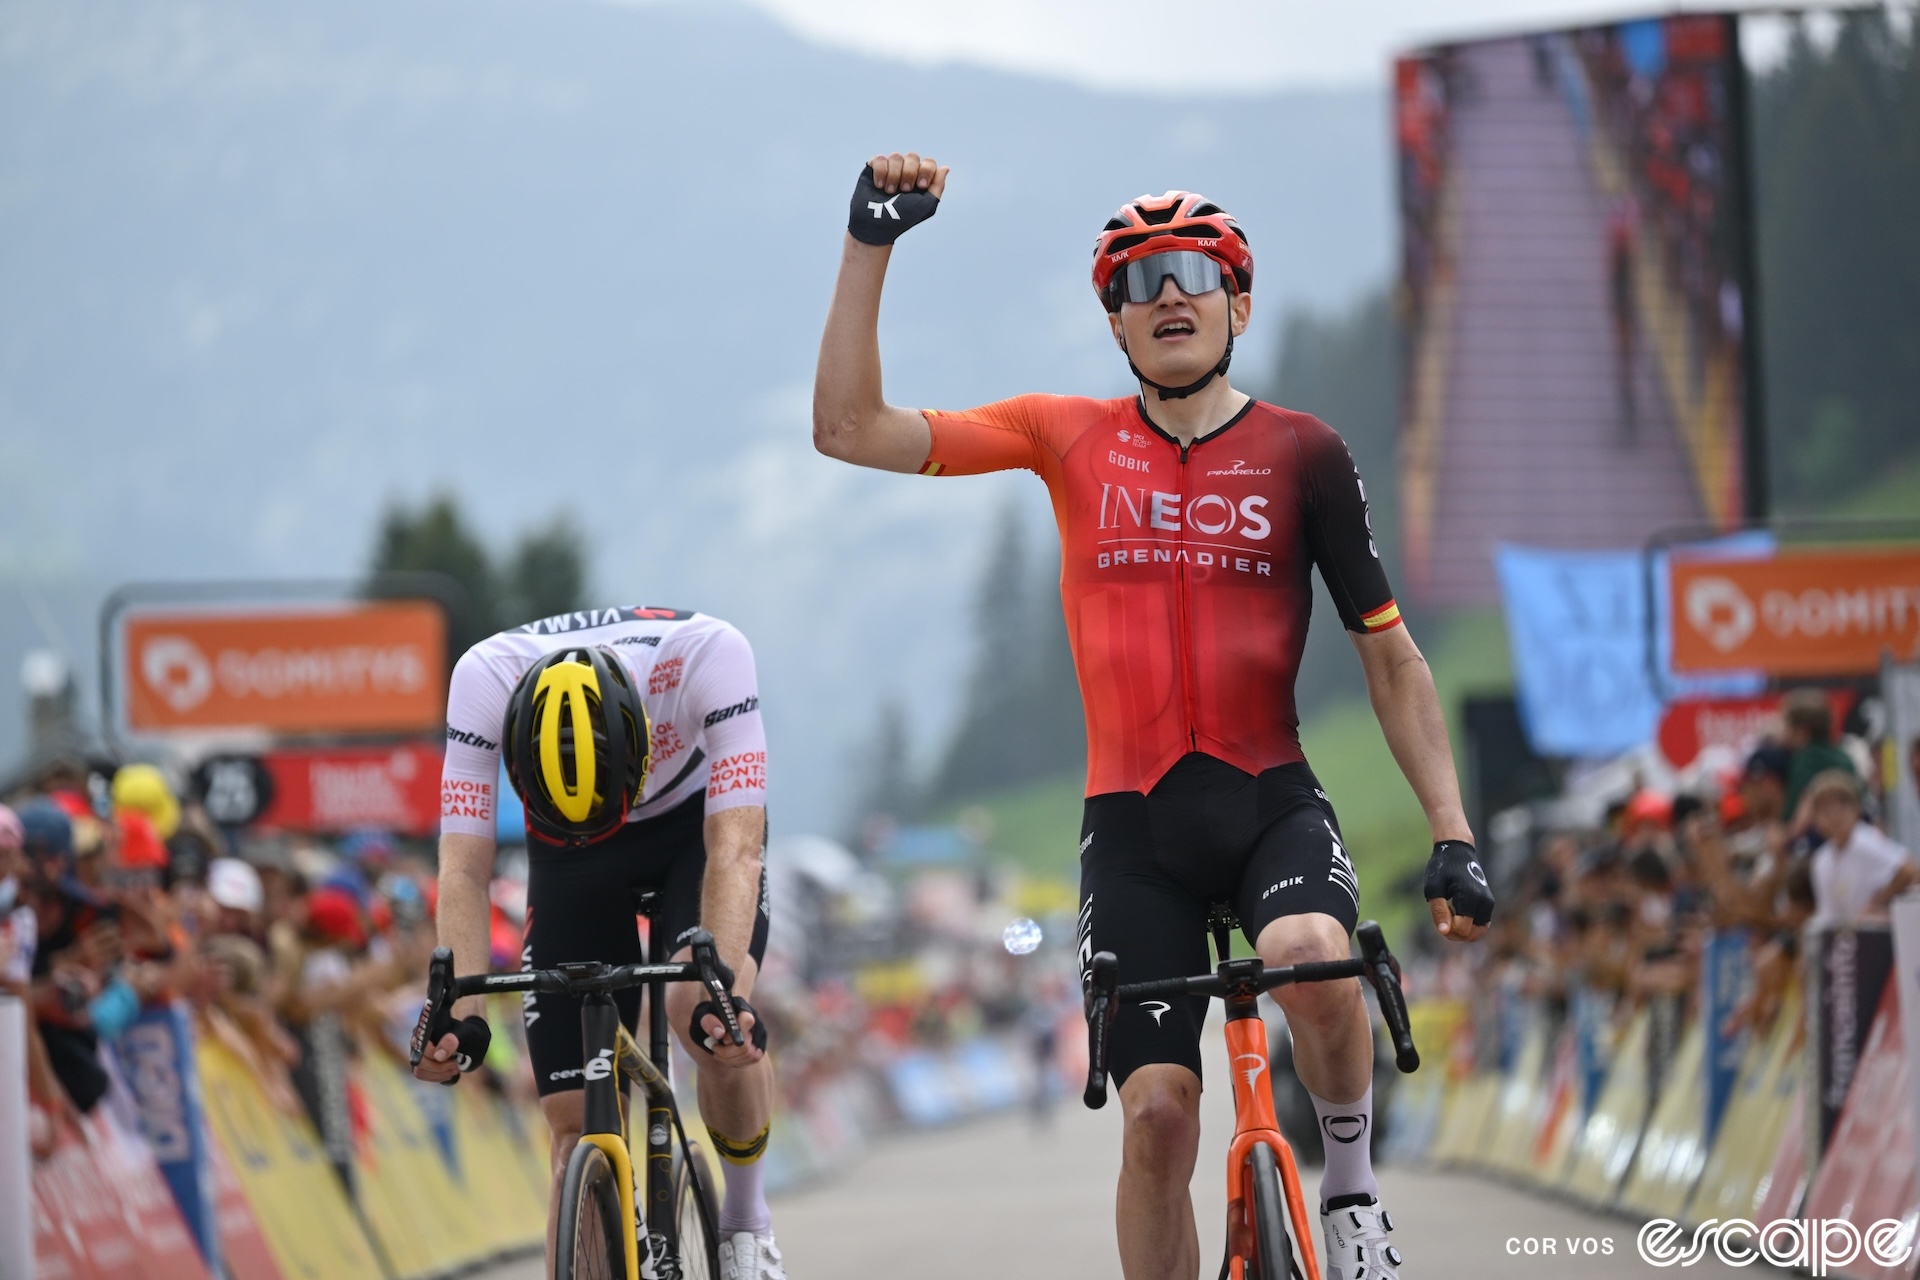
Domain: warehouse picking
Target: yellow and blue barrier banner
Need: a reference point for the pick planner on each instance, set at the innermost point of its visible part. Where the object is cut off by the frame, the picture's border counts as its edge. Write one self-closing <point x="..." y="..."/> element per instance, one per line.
<point x="1724" y="969"/>
<point x="156" y="1060"/>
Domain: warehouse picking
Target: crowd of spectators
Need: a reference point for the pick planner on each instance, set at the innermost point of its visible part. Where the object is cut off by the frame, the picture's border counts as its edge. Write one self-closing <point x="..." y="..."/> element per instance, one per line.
<point x="292" y="953"/>
<point x="1608" y="922"/>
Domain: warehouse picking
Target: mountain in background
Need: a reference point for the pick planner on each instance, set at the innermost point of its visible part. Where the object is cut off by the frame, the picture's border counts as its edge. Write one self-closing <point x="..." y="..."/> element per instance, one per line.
<point x="266" y="266"/>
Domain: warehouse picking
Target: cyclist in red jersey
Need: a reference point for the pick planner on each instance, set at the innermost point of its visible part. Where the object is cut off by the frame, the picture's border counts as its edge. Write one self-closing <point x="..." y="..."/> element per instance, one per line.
<point x="1189" y="519"/>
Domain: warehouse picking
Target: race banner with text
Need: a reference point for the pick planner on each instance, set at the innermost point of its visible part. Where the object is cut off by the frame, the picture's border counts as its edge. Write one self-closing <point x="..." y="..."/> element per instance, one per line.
<point x="373" y="667"/>
<point x="1797" y="613"/>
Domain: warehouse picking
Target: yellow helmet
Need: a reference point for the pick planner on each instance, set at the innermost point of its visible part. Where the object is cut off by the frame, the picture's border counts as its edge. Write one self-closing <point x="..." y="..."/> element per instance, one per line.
<point x="577" y="744"/>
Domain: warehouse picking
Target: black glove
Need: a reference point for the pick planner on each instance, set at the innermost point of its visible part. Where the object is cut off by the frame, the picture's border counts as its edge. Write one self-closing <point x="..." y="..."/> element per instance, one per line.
<point x="1454" y="873"/>
<point x="874" y="217"/>
<point x="473" y="1035"/>
<point x="698" y="1033"/>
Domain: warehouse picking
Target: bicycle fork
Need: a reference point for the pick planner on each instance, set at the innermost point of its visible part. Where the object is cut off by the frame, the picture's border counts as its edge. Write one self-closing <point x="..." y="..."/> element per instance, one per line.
<point x="1255" y="1123"/>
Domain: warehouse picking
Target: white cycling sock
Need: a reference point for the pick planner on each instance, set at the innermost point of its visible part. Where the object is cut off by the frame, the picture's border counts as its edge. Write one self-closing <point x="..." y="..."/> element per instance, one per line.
<point x="744" y="1206"/>
<point x="1346" y="1131"/>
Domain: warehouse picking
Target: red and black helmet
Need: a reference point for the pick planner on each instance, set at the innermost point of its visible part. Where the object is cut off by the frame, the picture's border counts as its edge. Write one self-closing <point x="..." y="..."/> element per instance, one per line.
<point x="1175" y="220"/>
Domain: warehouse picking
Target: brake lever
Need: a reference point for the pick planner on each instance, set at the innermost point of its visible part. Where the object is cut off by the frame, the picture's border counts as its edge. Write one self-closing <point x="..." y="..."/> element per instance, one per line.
<point x="1384" y="972"/>
<point x="1104" y="977"/>
<point x="440" y="987"/>
<point x="717" y="977"/>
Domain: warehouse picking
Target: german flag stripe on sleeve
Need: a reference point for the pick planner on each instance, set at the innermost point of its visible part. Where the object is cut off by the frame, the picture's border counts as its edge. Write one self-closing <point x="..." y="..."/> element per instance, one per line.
<point x="1387" y="615"/>
<point x="931" y="469"/>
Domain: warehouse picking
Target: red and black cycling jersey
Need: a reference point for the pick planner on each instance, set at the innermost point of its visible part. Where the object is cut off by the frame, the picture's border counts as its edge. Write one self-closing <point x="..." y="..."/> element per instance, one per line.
<point x="1184" y="570"/>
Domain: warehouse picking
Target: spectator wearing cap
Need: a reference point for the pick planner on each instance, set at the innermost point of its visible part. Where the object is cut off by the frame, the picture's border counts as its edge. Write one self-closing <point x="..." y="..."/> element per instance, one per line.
<point x="78" y="950"/>
<point x="238" y="898"/>
<point x="1763" y="783"/>
<point x="1858" y="871"/>
<point x="1808" y="720"/>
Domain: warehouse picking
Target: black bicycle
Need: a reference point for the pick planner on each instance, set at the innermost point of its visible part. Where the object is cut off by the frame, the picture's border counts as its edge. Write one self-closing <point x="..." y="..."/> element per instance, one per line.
<point x="599" y="1236"/>
<point x="1263" y="1183"/>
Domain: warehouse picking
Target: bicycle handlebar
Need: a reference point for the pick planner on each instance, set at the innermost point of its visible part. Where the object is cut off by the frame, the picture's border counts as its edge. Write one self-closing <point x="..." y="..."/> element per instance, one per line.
<point x="586" y="978"/>
<point x="1244" y="979"/>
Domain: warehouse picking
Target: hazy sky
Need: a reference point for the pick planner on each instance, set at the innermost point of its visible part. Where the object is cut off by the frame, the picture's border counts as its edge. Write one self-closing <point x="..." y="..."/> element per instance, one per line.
<point x="1244" y="44"/>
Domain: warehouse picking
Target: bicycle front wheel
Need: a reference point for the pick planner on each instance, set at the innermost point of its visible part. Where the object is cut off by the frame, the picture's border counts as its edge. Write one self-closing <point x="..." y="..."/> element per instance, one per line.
<point x="1273" y="1252"/>
<point x="697" y="1216"/>
<point x="592" y="1243"/>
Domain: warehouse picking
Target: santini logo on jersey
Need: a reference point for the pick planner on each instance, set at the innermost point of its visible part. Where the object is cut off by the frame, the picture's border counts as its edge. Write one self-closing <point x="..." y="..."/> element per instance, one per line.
<point x="749" y="703"/>
<point x="586" y="619"/>
<point x="470" y="739"/>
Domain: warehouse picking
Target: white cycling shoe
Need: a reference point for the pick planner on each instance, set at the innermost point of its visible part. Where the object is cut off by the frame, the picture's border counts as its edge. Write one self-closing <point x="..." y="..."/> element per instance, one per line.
<point x="1355" y="1229"/>
<point x="746" y="1256"/>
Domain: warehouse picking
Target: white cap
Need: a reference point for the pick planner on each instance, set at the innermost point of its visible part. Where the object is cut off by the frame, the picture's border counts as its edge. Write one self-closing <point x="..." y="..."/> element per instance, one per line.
<point x="234" y="884"/>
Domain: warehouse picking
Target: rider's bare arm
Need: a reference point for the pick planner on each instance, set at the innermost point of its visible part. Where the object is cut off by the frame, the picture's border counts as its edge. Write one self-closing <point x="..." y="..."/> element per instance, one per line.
<point x="1400" y="686"/>
<point x="730" y="892"/>
<point x="851" y="419"/>
<point x="461" y="920"/>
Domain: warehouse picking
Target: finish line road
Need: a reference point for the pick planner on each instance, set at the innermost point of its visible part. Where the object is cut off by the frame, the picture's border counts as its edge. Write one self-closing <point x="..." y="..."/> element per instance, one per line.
<point x="1007" y="1199"/>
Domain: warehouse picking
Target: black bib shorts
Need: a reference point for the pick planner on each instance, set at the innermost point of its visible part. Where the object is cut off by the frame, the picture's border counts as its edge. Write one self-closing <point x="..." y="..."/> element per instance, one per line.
<point x="1152" y="865"/>
<point x="580" y="907"/>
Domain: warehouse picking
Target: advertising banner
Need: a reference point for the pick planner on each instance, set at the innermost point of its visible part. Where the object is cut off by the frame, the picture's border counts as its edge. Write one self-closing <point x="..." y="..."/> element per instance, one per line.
<point x="394" y="787"/>
<point x="347" y="668"/>
<point x="1723" y="984"/>
<point x="1728" y="727"/>
<point x="157" y="1062"/>
<point x="1797" y="613"/>
<point x="1572" y="231"/>
<point x="1576" y="622"/>
<point x="1849" y="968"/>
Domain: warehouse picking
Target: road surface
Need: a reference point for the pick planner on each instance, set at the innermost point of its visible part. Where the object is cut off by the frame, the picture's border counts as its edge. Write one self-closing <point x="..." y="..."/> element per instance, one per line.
<point x="1001" y="1199"/>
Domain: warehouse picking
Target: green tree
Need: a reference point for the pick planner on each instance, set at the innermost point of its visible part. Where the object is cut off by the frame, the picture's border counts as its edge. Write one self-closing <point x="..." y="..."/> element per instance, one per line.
<point x="1837" y="190"/>
<point x="1020" y="717"/>
<point x="544" y="574"/>
<point x="436" y="539"/>
<point x="547" y="574"/>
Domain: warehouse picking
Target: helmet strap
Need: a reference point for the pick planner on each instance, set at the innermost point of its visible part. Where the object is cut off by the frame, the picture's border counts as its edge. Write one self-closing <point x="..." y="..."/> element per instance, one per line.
<point x="1181" y="393"/>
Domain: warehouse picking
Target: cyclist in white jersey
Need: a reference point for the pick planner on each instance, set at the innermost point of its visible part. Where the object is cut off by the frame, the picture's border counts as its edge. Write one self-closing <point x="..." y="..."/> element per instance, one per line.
<point x="694" y="833"/>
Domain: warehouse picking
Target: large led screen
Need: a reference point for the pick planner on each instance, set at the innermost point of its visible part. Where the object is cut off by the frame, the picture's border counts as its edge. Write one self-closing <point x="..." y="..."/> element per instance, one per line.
<point x="1573" y="289"/>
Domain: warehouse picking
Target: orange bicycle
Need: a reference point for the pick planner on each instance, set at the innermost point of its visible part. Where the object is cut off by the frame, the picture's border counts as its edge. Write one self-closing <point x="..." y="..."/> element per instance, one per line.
<point x="1261" y="1174"/>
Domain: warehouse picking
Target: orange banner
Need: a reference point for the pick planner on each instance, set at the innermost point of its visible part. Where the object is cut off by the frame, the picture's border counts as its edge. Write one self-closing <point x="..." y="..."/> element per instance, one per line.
<point x="355" y="668"/>
<point x="1800" y="613"/>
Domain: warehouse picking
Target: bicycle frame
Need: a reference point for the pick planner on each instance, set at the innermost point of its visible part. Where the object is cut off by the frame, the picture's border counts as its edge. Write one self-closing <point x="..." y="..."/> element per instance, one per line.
<point x="610" y="1055"/>
<point x="1254" y="1123"/>
<point x="605" y="1041"/>
<point x="1238" y="983"/>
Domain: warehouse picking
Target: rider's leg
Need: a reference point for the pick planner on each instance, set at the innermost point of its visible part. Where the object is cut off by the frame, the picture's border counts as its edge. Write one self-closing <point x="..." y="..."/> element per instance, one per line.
<point x="1299" y="903"/>
<point x="1160" y="1111"/>
<point x="1132" y="905"/>
<point x="1332" y="1047"/>
<point x="736" y="1103"/>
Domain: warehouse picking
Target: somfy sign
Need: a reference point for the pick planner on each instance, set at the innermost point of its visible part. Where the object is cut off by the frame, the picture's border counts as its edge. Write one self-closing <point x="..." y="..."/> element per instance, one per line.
<point x="1797" y="613"/>
<point x="354" y="668"/>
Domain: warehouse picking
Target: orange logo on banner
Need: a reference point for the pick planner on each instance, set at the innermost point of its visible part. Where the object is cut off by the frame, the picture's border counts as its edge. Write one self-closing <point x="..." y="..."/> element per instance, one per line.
<point x="362" y="668"/>
<point x="1796" y="614"/>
